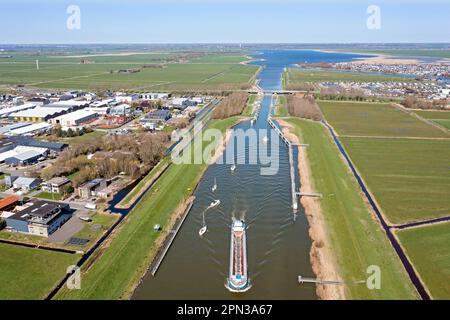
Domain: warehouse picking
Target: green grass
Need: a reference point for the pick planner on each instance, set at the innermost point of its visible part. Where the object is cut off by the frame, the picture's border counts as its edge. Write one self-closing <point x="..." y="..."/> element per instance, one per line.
<point x="249" y="108"/>
<point x="440" y="117"/>
<point x="373" y="119"/>
<point x="105" y="220"/>
<point x="67" y="73"/>
<point x="31" y="273"/>
<point x="84" y="137"/>
<point x="355" y="238"/>
<point x="300" y="76"/>
<point x="149" y="177"/>
<point x="281" y="108"/>
<point x="48" y="196"/>
<point x="428" y="248"/>
<point x="409" y="178"/>
<point x="129" y="253"/>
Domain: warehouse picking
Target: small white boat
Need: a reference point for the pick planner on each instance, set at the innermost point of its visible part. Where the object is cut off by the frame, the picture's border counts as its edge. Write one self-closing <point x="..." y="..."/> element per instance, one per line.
<point x="215" y="203"/>
<point x="202" y="231"/>
<point x="233" y="167"/>
<point x="265" y="139"/>
<point x="214" y="187"/>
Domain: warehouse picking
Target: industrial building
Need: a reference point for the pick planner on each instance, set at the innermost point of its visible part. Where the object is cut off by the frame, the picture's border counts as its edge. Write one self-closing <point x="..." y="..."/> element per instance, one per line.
<point x="22" y="183"/>
<point x="38" y="114"/>
<point x="40" y="217"/>
<point x="23" y="155"/>
<point x="157" y="116"/>
<point x="7" y="111"/>
<point x="76" y="118"/>
<point x="30" y="130"/>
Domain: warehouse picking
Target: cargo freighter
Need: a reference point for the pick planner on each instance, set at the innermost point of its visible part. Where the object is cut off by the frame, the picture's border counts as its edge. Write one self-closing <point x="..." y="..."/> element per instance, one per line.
<point x="238" y="279"/>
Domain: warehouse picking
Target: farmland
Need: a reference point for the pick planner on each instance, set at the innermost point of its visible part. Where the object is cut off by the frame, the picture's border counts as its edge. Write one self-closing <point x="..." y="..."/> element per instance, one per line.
<point x="210" y="72"/>
<point x="428" y="249"/>
<point x="409" y="178"/>
<point x="295" y="77"/>
<point x="376" y="120"/>
<point x="350" y="227"/>
<point x="128" y="254"/>
<point x="440" y="117"/>
<point x="28" y="273"/>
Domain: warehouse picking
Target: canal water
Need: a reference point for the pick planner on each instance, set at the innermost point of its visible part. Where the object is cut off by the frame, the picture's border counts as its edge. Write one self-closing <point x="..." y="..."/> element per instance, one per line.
<point x="278" y="244"/>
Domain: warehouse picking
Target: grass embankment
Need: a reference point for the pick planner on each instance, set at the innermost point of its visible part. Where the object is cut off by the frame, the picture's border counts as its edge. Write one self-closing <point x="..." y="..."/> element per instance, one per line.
<point x="249" y="107"/>
<point x="281" y="108"/>
<point x="376" y="119"/>
<point x="428" y="248"/>
<point x="409" y="178"/>
<point x="144" y="183"/>
<point x="295" y="77"/>
<point x="354" y="236"/>
<point x="126" y="257"/>
<point x="440" y="117"/>
<point x="28" y="273"/>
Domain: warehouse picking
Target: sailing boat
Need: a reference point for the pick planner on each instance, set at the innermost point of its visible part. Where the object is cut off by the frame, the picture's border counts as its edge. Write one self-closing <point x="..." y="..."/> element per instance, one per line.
<point x="214" y="187"/>
<point x="202" y="231"/>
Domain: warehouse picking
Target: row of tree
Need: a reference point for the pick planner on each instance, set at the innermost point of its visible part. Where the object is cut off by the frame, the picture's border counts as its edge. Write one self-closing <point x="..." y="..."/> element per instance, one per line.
<point x="412" y="102"/>
<point x="133" y="154"/>
<point x="58" y="132"/>
<point x="304" y="107"/>
<point x="231" y="105"/>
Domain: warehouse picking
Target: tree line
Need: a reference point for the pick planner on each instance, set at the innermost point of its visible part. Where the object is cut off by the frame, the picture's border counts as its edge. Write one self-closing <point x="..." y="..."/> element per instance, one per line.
<point x="304" y="107"/>
<point x="231" y="105"/>
<point x="132" y="154"/>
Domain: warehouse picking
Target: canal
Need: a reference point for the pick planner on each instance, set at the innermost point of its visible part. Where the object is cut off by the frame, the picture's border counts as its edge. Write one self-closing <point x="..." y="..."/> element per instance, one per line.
<point x="278" y="244"/>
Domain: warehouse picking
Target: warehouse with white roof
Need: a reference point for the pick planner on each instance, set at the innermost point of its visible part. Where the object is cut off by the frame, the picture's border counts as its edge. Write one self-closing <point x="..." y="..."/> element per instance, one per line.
<point x="38" y="114"/>
<point x="75" y="118"/>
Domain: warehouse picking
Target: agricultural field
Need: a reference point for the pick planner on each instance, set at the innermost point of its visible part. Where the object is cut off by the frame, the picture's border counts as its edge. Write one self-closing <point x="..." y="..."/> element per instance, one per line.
<point x="376" y="120"/>
<point x="28" y="273"/>
<point x="409" y="178"/>
<point x="295" y="77"/>
<point x="440" y="117"/>
<point x="66" y="72"/>
<point x="428" y="249"/>
<point x="352" y="233"/>
<point x="120" y="266"/>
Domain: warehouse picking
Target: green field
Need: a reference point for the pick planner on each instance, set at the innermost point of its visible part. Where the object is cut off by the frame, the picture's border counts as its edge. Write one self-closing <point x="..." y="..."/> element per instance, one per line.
<point x="440" y="117"/>
<point x="295" y="77"/>
<point x="373" y="119"/>
<point x="216" y="72"/>
<point x="31" y="273"/>
<point x="129" y="253"/>
<point x="409" y="178"/>
<point x="48" y="196"/>
<point x="353" y="235"/>
<point x="428" y="248"/>
<point x="83" y="138"/>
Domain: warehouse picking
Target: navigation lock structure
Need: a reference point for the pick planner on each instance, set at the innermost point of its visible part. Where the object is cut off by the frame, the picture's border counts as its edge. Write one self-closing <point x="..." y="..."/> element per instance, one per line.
<point x="226" y="161"/>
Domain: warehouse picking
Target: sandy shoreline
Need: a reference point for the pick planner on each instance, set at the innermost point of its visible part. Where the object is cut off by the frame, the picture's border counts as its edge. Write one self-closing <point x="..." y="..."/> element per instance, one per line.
<point x="322" y="260"/>
<point x="376" y="58"/>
